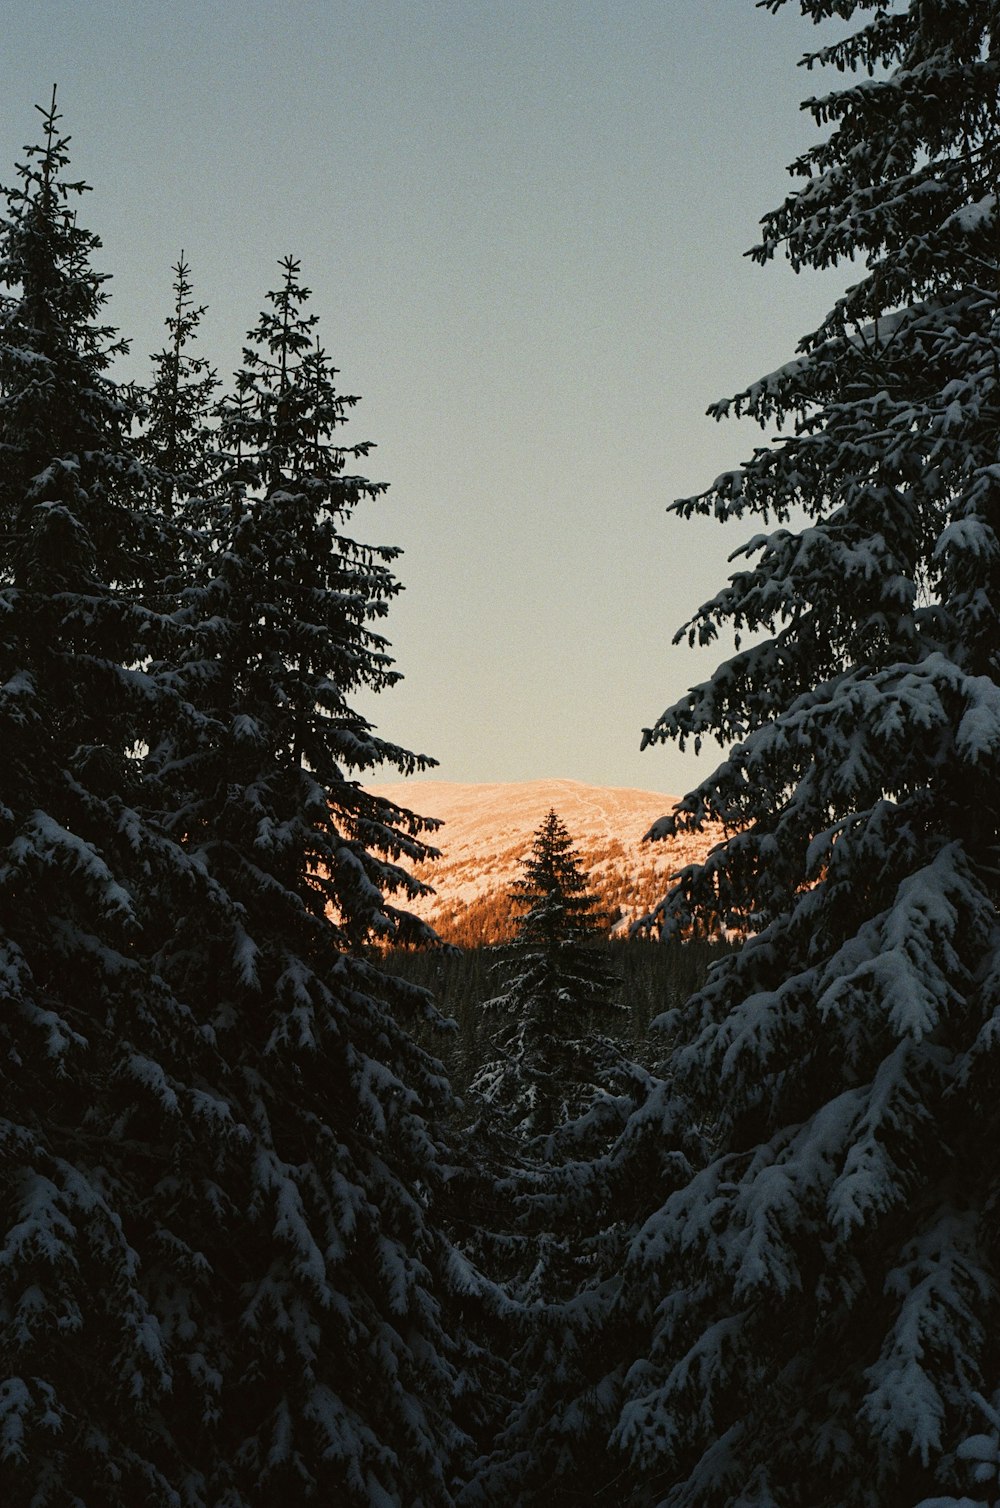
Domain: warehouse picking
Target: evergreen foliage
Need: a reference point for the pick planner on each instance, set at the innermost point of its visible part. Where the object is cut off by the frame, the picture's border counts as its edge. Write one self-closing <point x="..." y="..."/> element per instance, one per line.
<point x="240" y="1258"/>
<point x="556" y="982"/>
<point x="653" y="977"/>
<point x="588" y="1131"/>
<point x="106" y="1080"/>
<point x="223" y="1278"/>
<point x="282" y="637"/>
<point x="628" y="886"/>
<point x="339" y="1325"/>
<point x="827" y="1282"/>
<point x="178" y="441"/>
<point x="573" y="1345"/>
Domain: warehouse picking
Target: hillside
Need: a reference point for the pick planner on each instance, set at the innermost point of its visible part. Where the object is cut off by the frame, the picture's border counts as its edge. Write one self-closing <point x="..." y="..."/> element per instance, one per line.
<point x="488" y="830"/>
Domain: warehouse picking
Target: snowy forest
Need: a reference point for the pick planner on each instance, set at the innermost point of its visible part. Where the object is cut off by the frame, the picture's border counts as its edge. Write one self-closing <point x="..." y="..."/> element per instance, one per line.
<point x="276" y="1228"/>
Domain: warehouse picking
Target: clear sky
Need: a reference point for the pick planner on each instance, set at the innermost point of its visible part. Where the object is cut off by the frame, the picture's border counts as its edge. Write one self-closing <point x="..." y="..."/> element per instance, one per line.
<point x="523" y="222"/>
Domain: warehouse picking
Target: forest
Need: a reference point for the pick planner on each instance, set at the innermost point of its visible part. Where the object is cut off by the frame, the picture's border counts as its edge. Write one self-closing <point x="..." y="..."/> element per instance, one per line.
<point x="301" y="1206"/>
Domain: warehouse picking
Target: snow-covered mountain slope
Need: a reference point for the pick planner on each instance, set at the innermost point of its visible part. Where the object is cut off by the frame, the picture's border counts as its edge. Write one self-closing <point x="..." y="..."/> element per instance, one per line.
<point x="488" y="830"/>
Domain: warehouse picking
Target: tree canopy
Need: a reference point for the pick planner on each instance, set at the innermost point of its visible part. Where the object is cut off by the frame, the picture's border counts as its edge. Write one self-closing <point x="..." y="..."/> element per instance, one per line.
<point x="224" y="1276"/>
<point x="829" y="1276"/>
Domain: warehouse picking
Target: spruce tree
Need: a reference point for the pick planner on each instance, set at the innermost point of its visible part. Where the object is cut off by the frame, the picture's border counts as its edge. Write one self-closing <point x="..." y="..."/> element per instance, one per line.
<point x="338" y="1326"/>
<point x="556" y="983"/>
<point x="547" y="1096"/>
<point x="107" y="1081"/>
<point x="825" y="1289"/>
<point x="177" y="441"/>
<point x="282" y="622"/>
<point x="220" y="1277"/>
<point x="576" y="1136"/>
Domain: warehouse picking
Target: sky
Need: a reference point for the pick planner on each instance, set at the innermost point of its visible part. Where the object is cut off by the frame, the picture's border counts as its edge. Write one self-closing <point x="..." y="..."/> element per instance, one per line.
<point x="524" y="225"/>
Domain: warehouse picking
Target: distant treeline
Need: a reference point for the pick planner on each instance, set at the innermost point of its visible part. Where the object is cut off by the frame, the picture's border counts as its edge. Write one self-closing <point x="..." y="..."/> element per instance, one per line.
<point x="652" y="976"/>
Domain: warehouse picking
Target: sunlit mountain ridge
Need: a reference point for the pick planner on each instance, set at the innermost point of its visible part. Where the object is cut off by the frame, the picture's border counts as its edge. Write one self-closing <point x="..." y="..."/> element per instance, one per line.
<point x="487" y="831"/>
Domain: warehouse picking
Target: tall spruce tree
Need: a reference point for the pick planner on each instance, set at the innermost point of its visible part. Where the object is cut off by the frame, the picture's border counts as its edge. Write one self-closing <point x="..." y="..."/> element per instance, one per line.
<point x="283" y="615"/>
<point x="826" y="1287"/>
<point x="107" y="1081"/>
<point x="340" y="1338"/>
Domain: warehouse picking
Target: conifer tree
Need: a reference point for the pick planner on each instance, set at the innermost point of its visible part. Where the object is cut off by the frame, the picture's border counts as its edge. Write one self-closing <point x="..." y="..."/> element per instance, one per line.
<point x="220" y="1280"/>
<point x="557" y="984"/>
<point x="825" y="1289"/>
<point x="107" y="1082"/>
<point x="577" y="1135"/>
<point x="548" y="1085"/>
<point x="177" y="442"/>
<point x="339" y="1334"/>
<point x="284" y="638"/>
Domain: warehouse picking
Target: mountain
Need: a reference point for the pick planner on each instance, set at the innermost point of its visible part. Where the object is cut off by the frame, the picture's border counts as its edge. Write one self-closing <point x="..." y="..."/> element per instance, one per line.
<point x="488" y="830"/>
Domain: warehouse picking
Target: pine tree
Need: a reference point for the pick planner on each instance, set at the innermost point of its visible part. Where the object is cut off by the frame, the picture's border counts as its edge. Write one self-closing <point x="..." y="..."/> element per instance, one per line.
<point x="826" y="1285"/>
<point x="339" y="1332"/>
<point x="107" y="1081"/>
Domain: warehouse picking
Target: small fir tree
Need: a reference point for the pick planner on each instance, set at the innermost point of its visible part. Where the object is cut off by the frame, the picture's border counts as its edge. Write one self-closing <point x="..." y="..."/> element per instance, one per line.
<point x="556" y="985"/>
<point x="563" y="1197"/>
<point x="826" y="1286"/>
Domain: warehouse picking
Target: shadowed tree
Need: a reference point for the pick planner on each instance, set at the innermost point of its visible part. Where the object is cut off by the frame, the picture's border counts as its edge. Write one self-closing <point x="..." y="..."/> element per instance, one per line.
<point x="177" y="441"/>
<point x="573" y="1136"/>
<point x="109" y="1083"/>
<point x="555" y="986"/>
<point x="221" y="1277"/>
<point x="818" y="1301"/>
<point x="339" y="1328"/>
